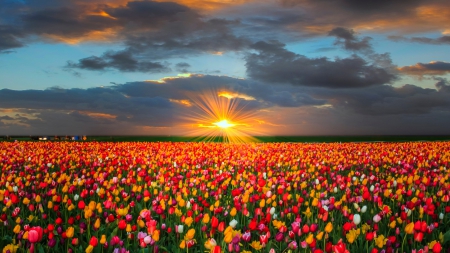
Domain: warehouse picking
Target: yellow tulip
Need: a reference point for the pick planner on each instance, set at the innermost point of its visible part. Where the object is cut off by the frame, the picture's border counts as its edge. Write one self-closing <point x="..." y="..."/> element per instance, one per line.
<point x="16" y="229"/>
<point x="351" y="235"/>
<point x="392" y="224"/>
<point x="205" y="219"/>
<point x="188" y="221"/>
<point x="380" y="241"/>
<point x="103" y="239"/>
<point x="329" y="227"/>
<point x="182" y="244"/>
<point x="26" y="201"/>
<point x="256" y="245"/>
<point x="310" y="238"/>
<point x="89" y="249"/>
<point x="190" y="234"/>
<point x="409" y="229"/>
<point x="69" y="232"/>
<point x="155" y="235"/>
<point x="319" y="236"/>
<point x="228" y="237"/>
<point x="233" y="212"/>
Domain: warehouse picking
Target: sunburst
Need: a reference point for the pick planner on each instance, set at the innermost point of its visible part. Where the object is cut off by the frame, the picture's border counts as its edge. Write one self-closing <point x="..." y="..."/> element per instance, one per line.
<point x="220" y="116"/>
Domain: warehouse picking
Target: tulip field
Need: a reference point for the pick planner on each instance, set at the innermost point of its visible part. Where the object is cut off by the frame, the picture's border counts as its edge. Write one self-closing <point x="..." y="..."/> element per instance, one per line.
<point x="224" y="197"/>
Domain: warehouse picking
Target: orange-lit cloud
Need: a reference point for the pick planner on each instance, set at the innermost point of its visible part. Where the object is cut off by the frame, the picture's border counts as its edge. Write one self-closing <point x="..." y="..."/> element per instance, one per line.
<point x="431" y="68"/>
<point x="210" y="5"/>
<point x="231" y="95"/>
<point x="183" y="102"/>
<point x="98" y="115"/>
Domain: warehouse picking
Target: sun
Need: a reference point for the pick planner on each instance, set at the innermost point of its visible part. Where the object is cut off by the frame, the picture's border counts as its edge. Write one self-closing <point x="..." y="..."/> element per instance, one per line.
<point x="219" y="115"/>
<point x="224" y="124"/>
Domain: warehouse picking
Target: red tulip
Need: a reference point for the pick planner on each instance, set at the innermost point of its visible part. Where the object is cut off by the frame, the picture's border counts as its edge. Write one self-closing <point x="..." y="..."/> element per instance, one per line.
<point x="93" y="241"/>
<point x="81" y="205"/>
<point x="437" y="248"/>
<point x="340" y="247"/>
<point x="214" y="222"/>
<point x="418" y="236"/>
<point x="217" y="249"/>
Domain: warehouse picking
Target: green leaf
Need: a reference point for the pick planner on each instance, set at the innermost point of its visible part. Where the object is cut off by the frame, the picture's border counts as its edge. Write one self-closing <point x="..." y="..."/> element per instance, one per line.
<point x="447" y="236"/>
<point x="40" y="248"/>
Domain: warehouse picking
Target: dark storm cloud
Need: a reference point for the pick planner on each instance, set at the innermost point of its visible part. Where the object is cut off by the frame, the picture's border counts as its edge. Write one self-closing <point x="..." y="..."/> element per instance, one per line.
<point x="187" y="35"/>
<point x="158" y="30"/>
<point x="9" y="38"/>
<point x="443" y="40"/>
<point x="274" y="64"/>
<point x="121" y="60"/>
<point x="65" y="21"/>
<point x="396" y="6"/>
<point x="146" y="13"/>
<point x="387" y="100"/>
<point x="431" y="68"/>
<point x="347" y="38"/>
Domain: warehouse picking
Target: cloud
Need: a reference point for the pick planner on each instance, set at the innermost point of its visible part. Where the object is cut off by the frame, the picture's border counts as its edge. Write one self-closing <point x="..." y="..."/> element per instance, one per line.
<point x="121" y="60"/>
<point x="182" y="67"/>
<point x="9" y="38"/>
<point x="401" y="16"/>
<point x="156" y="107"/>
<point x="431" y="68"/>
<point x="347" y="38"/>
<point x="443" y="40"/>
<point x="442" y="85"/>
<point x="274" y="64"/>
<point x="388" y="100"/>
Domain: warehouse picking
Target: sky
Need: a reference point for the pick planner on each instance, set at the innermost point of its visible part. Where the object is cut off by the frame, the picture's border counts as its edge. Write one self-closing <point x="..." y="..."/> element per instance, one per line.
<point x="274" y="67"/>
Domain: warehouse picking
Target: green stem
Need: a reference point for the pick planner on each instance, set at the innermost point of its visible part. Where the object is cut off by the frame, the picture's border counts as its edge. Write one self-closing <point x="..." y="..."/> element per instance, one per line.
<point x="403" y="242"/>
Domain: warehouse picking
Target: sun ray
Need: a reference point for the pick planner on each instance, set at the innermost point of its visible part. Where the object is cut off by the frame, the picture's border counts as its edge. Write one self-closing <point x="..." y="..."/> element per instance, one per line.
<point x="217" y="117"/>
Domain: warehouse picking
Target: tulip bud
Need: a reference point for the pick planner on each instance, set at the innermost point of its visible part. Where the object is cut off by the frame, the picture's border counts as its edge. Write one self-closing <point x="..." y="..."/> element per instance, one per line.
<point x="363" y="209"/>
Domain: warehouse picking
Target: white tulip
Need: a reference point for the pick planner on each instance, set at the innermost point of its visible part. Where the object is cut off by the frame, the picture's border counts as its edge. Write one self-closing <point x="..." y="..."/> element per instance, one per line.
<point x="372" y="188"/>
<point x="335" y="190"/>
<point x="180" y="229"/>
<point x="356" y="219"/>
<point x="76" y="197"/>
<point x="272" y="210"/>
<point x="363" y="209"/>
<point x="233" y="223"/>
<point x="441" y="216"/>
